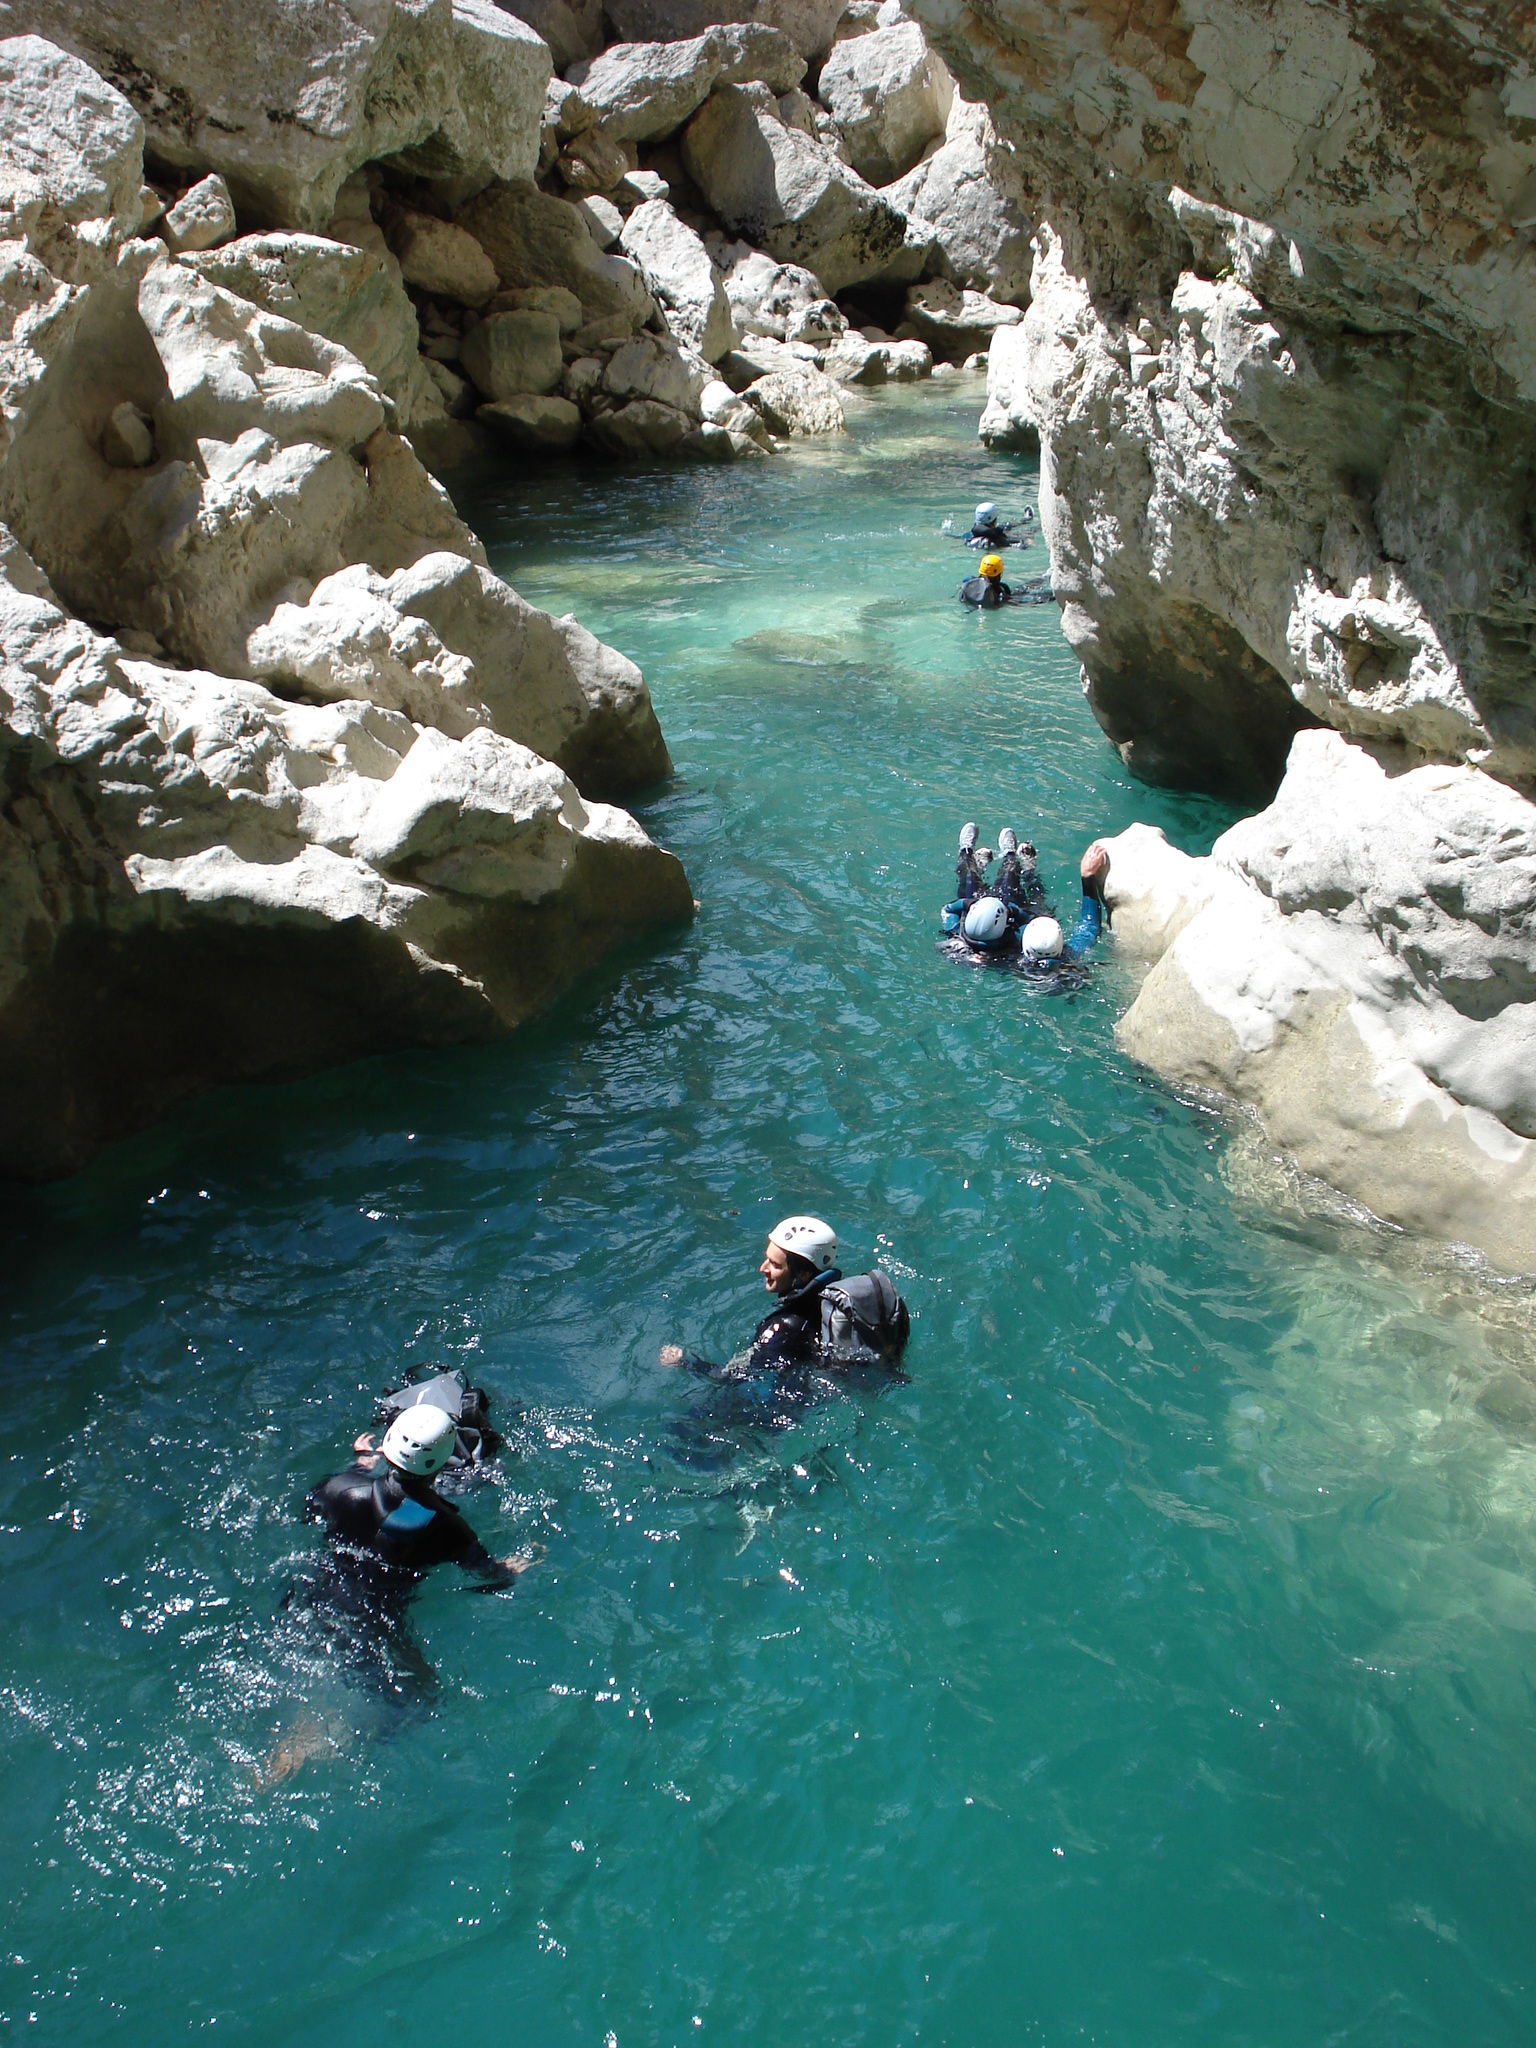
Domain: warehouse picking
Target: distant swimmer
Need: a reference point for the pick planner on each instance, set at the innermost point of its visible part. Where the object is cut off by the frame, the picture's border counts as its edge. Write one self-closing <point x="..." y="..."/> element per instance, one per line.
<point x="971" y="867"/>
<point x="991" y="532"/>
<point x="387" y="1506"/>
<point x="818" y="1317"/>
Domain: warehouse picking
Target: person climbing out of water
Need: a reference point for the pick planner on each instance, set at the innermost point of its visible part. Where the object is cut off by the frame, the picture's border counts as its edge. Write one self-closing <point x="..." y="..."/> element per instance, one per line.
<point x="1041" y="942"/>
<point x="817" y="1317"/>
<point x="387" y="1506"/>
<point x="971" y="867"/>
<point x="1018" y="883"/>
<point x="987" y="588"/>
<point x="991" y="532"/>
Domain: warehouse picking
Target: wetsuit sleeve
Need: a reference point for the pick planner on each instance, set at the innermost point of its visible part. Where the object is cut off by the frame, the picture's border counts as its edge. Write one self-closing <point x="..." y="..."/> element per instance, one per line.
<point x="1085" y="933"/>
<point x="788" y="1340"/>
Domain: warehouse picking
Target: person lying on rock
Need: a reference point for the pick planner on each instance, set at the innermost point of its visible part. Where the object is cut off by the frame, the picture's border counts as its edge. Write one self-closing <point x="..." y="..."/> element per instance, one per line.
<point x="1018" y="885"/>
<point x="1042" y="944"/>
<point x="818" y="1318"/>
<point x="971" y="867"/>
<point x="991" y="532"/>
<point x="387" y="1506"/>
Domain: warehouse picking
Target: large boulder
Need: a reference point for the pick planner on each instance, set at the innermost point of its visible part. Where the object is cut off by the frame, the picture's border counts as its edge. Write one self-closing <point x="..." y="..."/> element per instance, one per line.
<point x="1352" y="964"/>
<point x="440" y="259"/>
<point x="954" y="323"/>
<point x="796" y="402"/>
<point x="285" y="102"/>
<point x="890" y="97"/>
<point x="347" y="294"/>
<point x="65" y="127"/>
<point x="512" y="353"/>
<point x="536" y="240"/>
<point x="787" y="193"/>
<point x="573" y="29"/>
<point x="200" y="883"/>
<point x="783" y="301"/>
<point x="808" y="24"/>
<point x="1008" y="420"/>
<point x="675" y="265"/>
<point x="641" y="92"/>
<point x="972" y="194"/>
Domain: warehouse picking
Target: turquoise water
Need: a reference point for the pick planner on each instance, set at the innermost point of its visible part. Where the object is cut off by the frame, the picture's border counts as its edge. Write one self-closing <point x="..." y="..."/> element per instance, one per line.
<point x="1155" y="1665"/>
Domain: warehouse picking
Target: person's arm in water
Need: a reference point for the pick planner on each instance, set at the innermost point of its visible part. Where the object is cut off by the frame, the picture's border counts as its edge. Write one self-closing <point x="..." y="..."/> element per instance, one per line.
<point x="1090" y="922"/>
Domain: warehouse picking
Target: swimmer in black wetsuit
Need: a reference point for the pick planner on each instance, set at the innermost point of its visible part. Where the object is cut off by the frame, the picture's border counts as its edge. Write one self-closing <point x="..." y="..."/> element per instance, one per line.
<point x="797" y="1265"/>
<point x="991" y="532"/>
<point x="388" y="1525"/>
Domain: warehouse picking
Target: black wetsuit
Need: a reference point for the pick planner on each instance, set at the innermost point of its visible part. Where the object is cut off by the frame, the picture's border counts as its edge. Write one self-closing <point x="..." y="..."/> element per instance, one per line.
<point x="970" y="877"/>
<point x="996" y="535"/>
<point x="1020" y="889"/>
<point x="400" y="1520"/>
<point x="788" y="1336"/>
<point x="987" y="591"/>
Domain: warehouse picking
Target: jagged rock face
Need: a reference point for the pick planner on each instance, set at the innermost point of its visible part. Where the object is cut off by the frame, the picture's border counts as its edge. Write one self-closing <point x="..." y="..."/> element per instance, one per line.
<point x="676" y="267"/>
<point x="315" y="798"/>
<point x="890" y="97"/>
<point x="970" y="191"/>
<point x="286" y="101"/>
<point x="1289" y="411"/>
<point x="809" y="24"/>
<point x="640" y="92"/>
<point x="1353" y="963"/>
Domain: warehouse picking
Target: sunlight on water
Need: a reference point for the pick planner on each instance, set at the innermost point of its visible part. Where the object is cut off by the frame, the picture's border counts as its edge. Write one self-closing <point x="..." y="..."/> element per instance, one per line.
<point x="1155" y="1664"/>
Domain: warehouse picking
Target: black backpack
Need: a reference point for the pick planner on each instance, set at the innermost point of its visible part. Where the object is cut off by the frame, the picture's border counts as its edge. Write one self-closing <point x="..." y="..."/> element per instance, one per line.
<point x="467" y="1406"/>
<point x="864" y="1321"/>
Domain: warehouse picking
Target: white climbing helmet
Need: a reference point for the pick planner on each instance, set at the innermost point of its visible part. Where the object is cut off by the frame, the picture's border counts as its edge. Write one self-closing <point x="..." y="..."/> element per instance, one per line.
<point x="1042" y="938"/>
<point x="986" y="514"/>
<point x="806" y="1237"/>
<point x="985" y="921"/>
<point x="420" y="1440"/>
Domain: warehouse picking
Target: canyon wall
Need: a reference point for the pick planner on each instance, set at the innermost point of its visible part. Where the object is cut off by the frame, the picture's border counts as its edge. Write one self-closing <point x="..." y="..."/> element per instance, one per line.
<point x="1281" y="363"/>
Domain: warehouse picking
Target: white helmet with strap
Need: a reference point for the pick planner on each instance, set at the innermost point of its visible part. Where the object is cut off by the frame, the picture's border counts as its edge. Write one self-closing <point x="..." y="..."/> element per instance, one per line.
<point x="1042" y="939"/>
<point x="808" y="1238"/>
<point x="420" y="1440"/>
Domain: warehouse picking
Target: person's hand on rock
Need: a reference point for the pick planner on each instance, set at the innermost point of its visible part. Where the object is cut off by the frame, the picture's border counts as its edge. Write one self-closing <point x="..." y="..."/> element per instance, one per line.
<point x="1094" y="866"/>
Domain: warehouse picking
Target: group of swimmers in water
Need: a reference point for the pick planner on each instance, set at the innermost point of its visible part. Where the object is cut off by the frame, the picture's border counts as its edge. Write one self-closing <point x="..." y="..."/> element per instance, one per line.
<point x="986" y="589"/>
<point x="385" y="1514"/>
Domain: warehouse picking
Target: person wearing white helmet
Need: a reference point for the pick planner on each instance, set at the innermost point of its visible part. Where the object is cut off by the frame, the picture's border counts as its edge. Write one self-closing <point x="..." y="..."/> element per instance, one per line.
<point x="386" y="1505"/>
<point x="800" y="1260"/>
<point x="991" y="532"/>
<point x="1042" y="943"/>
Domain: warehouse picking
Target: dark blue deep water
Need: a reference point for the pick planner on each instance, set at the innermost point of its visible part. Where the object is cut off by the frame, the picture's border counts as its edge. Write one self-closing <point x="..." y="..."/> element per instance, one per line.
<point x="1154" y="1666"/>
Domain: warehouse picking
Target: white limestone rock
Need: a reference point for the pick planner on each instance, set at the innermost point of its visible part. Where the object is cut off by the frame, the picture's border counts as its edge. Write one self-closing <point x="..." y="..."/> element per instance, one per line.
<point x="512" y="353"/>
<point x="536" y="240"/>
<point x="64" y="127"/>
<point x="1353" y="964"/>
<point x="437" y="257"/>
<point x="765" y="297"/>
<point x="352" y="296"/>
<point x="793" y="403"/>
<point x="681" y="278"/>
<point x="272" y="887"/>
<point x="808" y="24"/>
<point x="642" y="92"/>
<point x="1008" y="420"/>
<point x="788" y="194"/>
<point x="956" y="323"/>
<point x="890" y="96"/>
<point x="971" y="193"/>
<point x="856" y="360"/>
<point x="286" y="102"/>
<point x="545" y="422"/>
<point x="202" y="217"/>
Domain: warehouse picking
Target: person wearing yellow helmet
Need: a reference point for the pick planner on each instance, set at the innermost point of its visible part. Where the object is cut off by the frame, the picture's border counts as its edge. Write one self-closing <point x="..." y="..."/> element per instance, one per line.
<point x="987" y="587"/>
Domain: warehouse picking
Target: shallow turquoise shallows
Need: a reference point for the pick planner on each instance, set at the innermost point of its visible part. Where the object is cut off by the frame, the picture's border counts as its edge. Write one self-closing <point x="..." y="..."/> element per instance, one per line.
<point x="1155" y="1665"/>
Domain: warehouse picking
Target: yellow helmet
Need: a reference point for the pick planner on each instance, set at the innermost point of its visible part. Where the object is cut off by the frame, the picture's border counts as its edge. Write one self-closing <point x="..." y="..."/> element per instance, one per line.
<point x="991" y="565"/>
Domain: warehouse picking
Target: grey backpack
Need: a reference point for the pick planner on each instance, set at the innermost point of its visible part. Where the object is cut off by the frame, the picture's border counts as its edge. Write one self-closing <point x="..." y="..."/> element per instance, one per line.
<point x="864" y="1321"/>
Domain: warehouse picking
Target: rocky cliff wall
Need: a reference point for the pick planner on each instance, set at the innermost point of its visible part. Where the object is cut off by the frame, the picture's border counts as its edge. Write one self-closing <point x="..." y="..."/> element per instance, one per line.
<point x="1281" y="363"/>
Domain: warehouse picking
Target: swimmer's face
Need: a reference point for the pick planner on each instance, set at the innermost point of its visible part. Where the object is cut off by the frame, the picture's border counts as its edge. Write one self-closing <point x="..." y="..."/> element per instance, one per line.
<point x="775" y="1270"/>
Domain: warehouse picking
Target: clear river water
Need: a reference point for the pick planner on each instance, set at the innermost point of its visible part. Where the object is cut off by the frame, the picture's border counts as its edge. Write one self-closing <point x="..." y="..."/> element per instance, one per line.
<point x="1155" y="1664"/>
